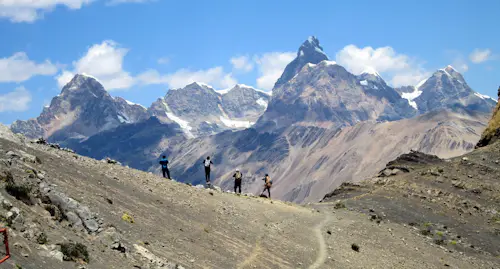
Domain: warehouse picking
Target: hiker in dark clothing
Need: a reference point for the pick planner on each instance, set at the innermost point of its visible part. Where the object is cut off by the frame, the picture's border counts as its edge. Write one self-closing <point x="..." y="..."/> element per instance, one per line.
<point x="207" y="164"/>
<point x="267" y="185"/>
<point x="164" y="166"/>
<point x="237" y="180"/>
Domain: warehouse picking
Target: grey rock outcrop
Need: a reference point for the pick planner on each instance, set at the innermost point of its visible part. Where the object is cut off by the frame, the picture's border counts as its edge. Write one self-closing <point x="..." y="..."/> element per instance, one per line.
<point x="75" y="212"/>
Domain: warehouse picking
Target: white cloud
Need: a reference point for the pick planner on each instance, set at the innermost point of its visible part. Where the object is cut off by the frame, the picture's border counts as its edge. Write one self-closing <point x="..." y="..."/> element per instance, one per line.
<point x="17" y="100"/>
<point x="480" y="55"/>
<point x="242" y="63"/>
<point x="163" y="60"/>
<point x="271" y="66"/>
<point x="400" y="68"/>
<point x="410" y="78"/>
<point x="31" y="10"/>
<point x="381" y="59"/>
<point x="214" y="76"/>
<point x="460" y="65"/>
<point x="64" y="78"/>
<point x="19" y="67"/>
<point x="105" y="62"/>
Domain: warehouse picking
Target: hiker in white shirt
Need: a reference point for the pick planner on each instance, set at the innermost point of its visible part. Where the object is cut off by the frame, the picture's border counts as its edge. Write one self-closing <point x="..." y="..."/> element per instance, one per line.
<point x="207" y="164"/>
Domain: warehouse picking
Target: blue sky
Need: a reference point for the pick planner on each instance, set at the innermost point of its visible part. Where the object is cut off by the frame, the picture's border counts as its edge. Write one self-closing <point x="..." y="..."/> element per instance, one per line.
<point x="139" y="49"/>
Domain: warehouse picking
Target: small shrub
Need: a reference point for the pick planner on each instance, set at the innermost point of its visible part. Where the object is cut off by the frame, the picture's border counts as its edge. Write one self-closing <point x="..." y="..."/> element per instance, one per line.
<point x="439" y="233"/>
<point x="439" y="241"/>
<point x="21" y="192"/>
<point x="54" y="211"/>
<point x="355" y="247"/>
<point x="427" y="224"/>
<point x="75" y="252"/>
<point x="339" y="205"/>
<point x="453" y="242"/>
<point x="425" y="232"/>
<point x="42" y="239"/>
<point x="126" y="217"/>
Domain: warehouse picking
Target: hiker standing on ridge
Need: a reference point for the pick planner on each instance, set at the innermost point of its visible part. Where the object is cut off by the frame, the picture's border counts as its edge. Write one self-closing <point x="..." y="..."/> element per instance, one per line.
<point x="164" y="166"/>
<point x="267" y="185"/>
<point x="238" y="176"/>
<point x="207" y="162"/>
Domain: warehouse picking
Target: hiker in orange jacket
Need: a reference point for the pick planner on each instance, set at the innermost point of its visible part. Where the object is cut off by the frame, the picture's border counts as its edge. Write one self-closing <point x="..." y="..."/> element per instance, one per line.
<point x="267" y="185"/>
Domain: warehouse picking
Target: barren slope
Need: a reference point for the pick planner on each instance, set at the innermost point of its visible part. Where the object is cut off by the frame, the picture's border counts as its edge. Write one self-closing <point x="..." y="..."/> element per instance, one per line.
<point x="308" y="162"/>
<point x="190" y="227"/>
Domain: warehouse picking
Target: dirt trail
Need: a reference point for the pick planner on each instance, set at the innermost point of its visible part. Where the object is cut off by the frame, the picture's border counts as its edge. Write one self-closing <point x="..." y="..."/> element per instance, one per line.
<point x="320" y="260"/>
<point x="253" y="256"/>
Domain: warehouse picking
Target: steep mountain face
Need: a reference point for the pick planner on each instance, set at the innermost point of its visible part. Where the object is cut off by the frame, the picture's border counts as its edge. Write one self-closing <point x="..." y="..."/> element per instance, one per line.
<point x="327" y="95"/>
<point x="307" y="161"/>
<point x="309" y="52"/>
<point x="446" y="88"/>
<point x="244" y="102"/>
<point x="137" y="145"/>
<point x="201" y="111"/>
<point x="83" y="109"/>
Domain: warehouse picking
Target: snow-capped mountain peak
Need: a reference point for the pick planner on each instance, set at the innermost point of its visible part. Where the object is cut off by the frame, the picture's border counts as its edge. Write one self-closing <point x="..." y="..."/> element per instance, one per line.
<point x="241" y="86"/>
<point x="450" y="68"/>
<point x="201" y="84"/>
<point x="310" y="52"/>
<point x="311" y="45"/>
<point x="83" y="109"/>
<point x="452" y="73"/>
<point x="89" y="76"/>
<point x="446" y="88"/>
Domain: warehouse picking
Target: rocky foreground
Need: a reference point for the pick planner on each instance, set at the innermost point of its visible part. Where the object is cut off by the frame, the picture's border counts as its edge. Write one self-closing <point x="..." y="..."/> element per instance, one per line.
<point x="454" y="203"/>
<point x="68" y="211"/>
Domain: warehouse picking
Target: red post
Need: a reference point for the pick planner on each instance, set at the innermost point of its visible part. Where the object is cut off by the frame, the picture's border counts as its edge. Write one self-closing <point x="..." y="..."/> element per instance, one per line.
<point x="6" y="242"/>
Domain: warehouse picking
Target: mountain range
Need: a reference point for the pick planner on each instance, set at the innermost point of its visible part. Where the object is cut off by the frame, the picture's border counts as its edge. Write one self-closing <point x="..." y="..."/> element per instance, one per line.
<point x="322" y="126"/>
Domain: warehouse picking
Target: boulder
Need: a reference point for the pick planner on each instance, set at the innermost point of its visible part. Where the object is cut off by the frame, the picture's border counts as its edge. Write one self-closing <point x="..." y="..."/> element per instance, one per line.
<point x="109" y="236"/>
<point x="75" y="212"/>
<point x="51" y="251"/>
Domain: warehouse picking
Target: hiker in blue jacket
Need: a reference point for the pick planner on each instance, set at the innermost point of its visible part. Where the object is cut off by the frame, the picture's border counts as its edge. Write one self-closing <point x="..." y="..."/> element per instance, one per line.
<point x="164" y="166"/>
